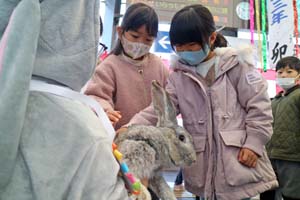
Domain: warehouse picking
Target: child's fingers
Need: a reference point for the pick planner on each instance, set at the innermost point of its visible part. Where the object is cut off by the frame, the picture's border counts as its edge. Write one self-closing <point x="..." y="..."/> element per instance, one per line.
<point x="114" y="116"/>
<point x="243" y="157"/>
<point x="247" y="157"/>
<point x="254" y="163"/>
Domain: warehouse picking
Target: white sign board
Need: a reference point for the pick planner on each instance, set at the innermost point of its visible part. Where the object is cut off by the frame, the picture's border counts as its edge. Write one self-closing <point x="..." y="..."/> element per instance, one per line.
<point x="281" y="29"/>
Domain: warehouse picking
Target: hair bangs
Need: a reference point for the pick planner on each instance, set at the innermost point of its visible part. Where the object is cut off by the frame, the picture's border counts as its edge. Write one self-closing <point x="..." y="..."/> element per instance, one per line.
<point x="184" y="32"/>
<point x="290" y="61"/>
<point x="143" y="15"/>
<point x="152" y="24"/>
<point x="188" y="27"/>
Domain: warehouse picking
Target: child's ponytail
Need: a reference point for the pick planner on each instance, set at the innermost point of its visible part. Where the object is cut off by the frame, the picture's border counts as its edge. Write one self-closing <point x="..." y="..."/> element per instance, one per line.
<point x="220" y="41"/>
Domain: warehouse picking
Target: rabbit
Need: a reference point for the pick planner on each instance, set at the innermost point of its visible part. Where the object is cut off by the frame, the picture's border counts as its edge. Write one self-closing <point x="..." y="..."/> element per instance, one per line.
<point x="148" y="149"/>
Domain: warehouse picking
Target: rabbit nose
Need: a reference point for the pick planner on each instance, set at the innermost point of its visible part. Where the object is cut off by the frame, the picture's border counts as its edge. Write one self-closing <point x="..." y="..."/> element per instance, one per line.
<point x="193" y="157"/>
<point x="191" y="160"/>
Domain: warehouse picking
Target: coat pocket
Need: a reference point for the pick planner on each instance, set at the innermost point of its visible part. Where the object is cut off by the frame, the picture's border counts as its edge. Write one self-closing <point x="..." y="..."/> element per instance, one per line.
<point x="195" y="174"/>
<point x="196" y="127"/>
<point x="199" y="143"/>
<point x="236" y="174"/>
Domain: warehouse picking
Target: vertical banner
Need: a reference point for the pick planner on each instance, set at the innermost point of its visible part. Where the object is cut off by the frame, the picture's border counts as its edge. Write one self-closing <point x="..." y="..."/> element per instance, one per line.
<point x="264" y="34"/>
<point x="296" y="26"/>
<point x="298" y="10"/>
<point x="252" y="21"/>
<point x="281" y="30"/>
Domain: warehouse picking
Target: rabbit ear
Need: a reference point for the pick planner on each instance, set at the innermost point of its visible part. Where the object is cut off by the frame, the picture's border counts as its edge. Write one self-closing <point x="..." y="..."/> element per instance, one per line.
<point x="163" y="106"/>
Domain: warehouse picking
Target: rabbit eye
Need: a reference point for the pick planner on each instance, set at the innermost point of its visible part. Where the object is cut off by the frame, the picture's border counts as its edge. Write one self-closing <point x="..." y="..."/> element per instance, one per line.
<point x="181" y="138"/>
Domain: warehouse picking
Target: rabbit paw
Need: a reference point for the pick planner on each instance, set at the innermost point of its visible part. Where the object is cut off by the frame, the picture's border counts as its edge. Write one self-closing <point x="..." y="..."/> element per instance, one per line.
<point x="144" y="194"/>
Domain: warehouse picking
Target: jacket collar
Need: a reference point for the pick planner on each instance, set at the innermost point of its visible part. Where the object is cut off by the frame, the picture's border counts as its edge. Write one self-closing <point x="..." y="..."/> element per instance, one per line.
<point x="282" y="93"/>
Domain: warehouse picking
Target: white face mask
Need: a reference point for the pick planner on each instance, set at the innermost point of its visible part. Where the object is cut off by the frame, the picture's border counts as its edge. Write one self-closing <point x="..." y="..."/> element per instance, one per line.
<point x="286" y="83"/>
<point x="135" y="49"/>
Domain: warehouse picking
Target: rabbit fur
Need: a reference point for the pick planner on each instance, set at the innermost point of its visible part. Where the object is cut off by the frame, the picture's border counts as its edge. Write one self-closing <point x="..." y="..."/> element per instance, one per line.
<point x="148" y="149"/>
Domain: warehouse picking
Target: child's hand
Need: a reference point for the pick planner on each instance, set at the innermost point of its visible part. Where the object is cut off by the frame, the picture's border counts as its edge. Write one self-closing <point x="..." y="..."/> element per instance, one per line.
<point x="114" y="116"/>
<point x="121" y="130"/>
<point x="145" y="182"/>
<point x="247" y="157"/>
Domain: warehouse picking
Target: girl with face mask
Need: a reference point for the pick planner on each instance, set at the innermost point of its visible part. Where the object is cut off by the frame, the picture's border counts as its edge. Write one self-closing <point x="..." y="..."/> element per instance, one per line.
<point x="284" y="146"/>
<point x="224" y="105"/>
<point x="122" y="82"/>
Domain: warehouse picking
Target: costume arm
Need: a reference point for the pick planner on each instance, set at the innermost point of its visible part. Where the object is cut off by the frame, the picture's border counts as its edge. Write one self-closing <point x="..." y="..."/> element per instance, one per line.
<point x="17" y="55"/>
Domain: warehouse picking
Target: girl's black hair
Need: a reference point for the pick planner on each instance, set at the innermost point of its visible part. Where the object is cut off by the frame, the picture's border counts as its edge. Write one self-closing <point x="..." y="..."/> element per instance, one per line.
<point x="220" y="41"/>
<point x="137" y="15"/>
<point x="192" y="23"/>
<point x="290" y="61"/>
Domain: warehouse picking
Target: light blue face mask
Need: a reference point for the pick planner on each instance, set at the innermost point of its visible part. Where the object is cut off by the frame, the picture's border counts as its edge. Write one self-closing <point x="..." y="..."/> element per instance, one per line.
<point x="194" y="57"/>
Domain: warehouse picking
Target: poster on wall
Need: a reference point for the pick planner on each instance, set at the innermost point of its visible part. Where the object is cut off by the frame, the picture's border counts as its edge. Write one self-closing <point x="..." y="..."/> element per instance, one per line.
<point x="281" y="26"/>
<point x="229" y="13"/>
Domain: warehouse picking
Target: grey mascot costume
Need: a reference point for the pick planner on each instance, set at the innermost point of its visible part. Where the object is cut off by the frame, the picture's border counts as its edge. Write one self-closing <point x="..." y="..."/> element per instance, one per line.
<point x="52" y="144"/>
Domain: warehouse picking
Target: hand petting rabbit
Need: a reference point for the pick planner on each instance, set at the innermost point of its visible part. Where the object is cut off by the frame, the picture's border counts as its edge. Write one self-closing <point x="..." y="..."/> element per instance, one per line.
<point x="148" y="149"/>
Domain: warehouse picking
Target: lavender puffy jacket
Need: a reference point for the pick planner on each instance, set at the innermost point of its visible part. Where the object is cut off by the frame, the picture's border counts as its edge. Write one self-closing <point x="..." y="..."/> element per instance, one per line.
<point x="234" y="112"/>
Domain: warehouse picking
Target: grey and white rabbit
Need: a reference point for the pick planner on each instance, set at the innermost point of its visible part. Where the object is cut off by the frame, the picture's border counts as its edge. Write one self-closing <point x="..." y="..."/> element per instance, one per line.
<point x="148" y="149"/>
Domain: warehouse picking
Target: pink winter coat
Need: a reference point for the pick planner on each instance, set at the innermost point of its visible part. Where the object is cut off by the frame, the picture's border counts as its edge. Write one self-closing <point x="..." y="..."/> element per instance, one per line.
<point x="234" y="112"/>
<point x="120" y="85"/>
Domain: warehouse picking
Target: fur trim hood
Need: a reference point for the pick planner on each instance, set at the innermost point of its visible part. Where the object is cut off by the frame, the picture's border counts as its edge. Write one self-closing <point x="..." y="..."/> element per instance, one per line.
<point x="244" y="53"/>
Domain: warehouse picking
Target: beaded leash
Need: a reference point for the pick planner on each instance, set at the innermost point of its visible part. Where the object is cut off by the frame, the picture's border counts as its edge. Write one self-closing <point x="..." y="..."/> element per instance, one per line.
<point x="132" y="185"/>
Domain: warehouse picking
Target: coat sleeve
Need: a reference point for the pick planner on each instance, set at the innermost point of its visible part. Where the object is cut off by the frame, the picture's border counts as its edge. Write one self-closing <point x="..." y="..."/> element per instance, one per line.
<point x="252" y="94"/>
<point x="102" y="86"/>
<point x="145" y="117"/>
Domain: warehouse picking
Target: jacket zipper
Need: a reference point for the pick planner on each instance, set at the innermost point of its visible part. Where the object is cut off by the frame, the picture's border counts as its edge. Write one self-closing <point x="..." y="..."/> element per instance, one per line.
<point x="214" y="145"/>
<point x="208" y="95"/>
